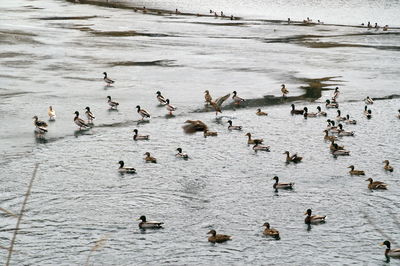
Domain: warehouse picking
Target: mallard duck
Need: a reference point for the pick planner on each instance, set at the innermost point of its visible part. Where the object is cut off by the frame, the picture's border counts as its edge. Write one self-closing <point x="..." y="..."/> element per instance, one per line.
<point x="79" y="122"/>
<point x="340" y="152"/>
<point x="376" y="184"/>
<point x="180" y="154"/>
<point x="260" y="113"/>
<point x="253" y="141"/>
<point x="107" y="80"/>
<point x="314" y="219"/>
<point x="335" y="147"/>
<point x="327" y="137"/>
<point x="112" y="104"/>
<point x="368" y="100"/>
<point x="207" y="97"/>
<point x="350" y="121"/>
<point x="336" y="94"/>
<point x="339" y="117"/>
<point x="307" y="114"/>
<point x="217" y="238"/>
<point x="330" y="104"/>
<point x="236" y="98"/>
<point x="125" y="170"/>
<point x="296" y="111"/>
<point x="268" y="231"/>
<point x="259" y="147"/>
<point x="144" y="224"/>
<point x="210" y="133"/>
<point x="331" y="126"/>
<point x="89" y="115"/>
<point x="278" y="185"/>
<point x="365" y="110"/>
<point x="149" y="159"/>
<point x="143" y="113"/>
<point x="355" y="172"/>
<point x="387" y="167"/>
<point x="395" y="253"/>
<point x="230" y="127"/>
<point x="169" y="107"/>
<point x="218" y="103"/>
<point x="52" y="113"/>
<point x="140" y="137"/>
<point x="369" y="114"/>
<point x="292" y="159"/>
<point x="193" y="126"/>
<point x="41" y="126"/>
<point x="284" y="90"/>
<point x="342" y="132"/>
<point x="320" y="112"/>
<point x="161" y="98"/>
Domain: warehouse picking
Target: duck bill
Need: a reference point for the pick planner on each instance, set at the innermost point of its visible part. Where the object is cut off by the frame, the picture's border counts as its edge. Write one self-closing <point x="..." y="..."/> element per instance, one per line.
<point x="305" y="213"/>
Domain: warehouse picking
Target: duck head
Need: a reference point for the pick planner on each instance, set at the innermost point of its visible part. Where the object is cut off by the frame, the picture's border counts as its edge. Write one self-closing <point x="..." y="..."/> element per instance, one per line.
<point x="206" y="92"/>
<point x="348" y="117"/>
<point x="230" y="122"/>
<point x="35" y="117"/>
<point x="365" y="108"/>
<point x="51" y="108"/>
<point x="167" y="101"/>
<point x="248" y="134"/>
<point x="305" y="109"/>
<point x="259" y="110"/>
<point x="308" y="212"/>
<point x="266" y="225"/>
<point x="319" y="108"/>
<point x="340" y="126"/>
<point x="351" y="167"/>
<point x="276" y="178"/>
<point x="105" y="74"/>
<point x="109" y="98"/>
<point x="87" y="108"/>
<point x="135" y="131"/>
<point x="292" y="105"/>
<point x="370" y="180"/>
<point x="138" y="107"/>
<point x="121" y="164"/>
<point x="179" y="150"/>
<point x="158" y="93"/>
<point x="212" y="232"/>
<point x="328" y="101"/>
<point x="386" y="243"/>
<point x="234" y="93"/>
<point x="147" y="154"/>
<point x="143" y="218"/>
<point x="76" y="113"/>
<point x="338" y="112"/>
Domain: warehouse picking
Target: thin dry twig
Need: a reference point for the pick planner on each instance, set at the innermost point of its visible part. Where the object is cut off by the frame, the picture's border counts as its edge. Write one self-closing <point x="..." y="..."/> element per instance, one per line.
<point x="98" y="245"/>
<point x="8" y="212"/>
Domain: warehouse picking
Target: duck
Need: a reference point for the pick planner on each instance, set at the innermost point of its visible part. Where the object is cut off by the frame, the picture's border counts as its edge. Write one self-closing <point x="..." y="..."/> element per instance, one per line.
<point x="217" y="238"/>
<point x="260" y="113"/>
<point x="339" y="117"/>
<point x="296" y="111"/>
<point x="169" y="107"/>
<point x="368" y="100"/>
<point x="89" y="115"/>
<point x="140" y="137"/>
<point x="237" y="100"/>
<point x="253" y="141"/>
<point x="369" y="114"/>
<point x="342" y="132"/>
<point x="278" y="185"/>
<point x="107" y="80"/>
<point x="320" y="112"/>
<point x="284" y="90"/>
<point x="144" y="224"/>
<point x="218" y="103"/>
<point x="161" y="98"/>
<point x="193" y="126"/>
<point x="327" y="137"/>
<point x="180" y="154"/>
<point x="355" y="172"/>
<point x="365" y="110"/>
<point x="387" y="167"/>
<point x="398" y="116"/>
<point x="376" y="184"/>
<point x="307" y="114"/>
<point x="149" y="159"/>
<point x="112" y="104"/>
<point x="314" y="219"/>
<point x="395" y="253"/>
<point x="230" y="127"/>
<point x="335" y="147"/>
<point x="210" y="133"/>
<point x="350" y="121"/>
<point x="207" y="97"/>
<point x="340" y="152"/>
<point x="80" y="122"/>
<point x="52" y="113"/>
<point x="143" y="113"/>
<point x="259" y="147"/>
<point x="41" y="126"/>
<point x="268" y="231"/>
<point x="292" y="159"/>
<point x="331" y="126"/>
<point x="330" y="104"/>
<point x="125" y="170"/>
<point x="335" y="94"/>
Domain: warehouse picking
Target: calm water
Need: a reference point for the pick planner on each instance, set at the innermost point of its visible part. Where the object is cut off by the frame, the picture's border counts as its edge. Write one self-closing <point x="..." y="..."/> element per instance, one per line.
<point x="48" y="58"/>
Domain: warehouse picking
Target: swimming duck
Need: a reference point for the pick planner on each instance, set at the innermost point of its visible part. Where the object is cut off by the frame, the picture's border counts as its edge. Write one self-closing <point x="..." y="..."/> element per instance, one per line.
<point x="230" y="127"/>
<point x="107" y="80"/>
<point x="125" y="170"/>
<point x="143" y="113"/>
<point x="207" y="97"/>
<point x="161" y="98"/>
<point x="236" y="98"/>
<point x="387" y="167"/>
<point x="210" y="133"/>
<point x="395" y="253"/>
<point x="41" y="126"/>
<point x="336" y="94"/>
<point x="144" y="224"/>
<point x="331" y="126"/>
<point x="355" y="172"/>
<point x="339" y="117"/>
<point x="140" y="137"/>
<point x="79" y="122"/>
<point x="327" y="137"/>
<point x="253" y="141"/>
<point x="332" y="104"/>
<point x="314" y="219"/>
<point x="350" y="121"/>
<point x="292" y="159"/>
<point x="260" y="113"/>
<point x="342" y="132"/>
<point x="320" y="112"/>
<point x="112" y="104"/>
<point x="369" y="114"/>
<point x="365" y="110"/>
<point x="335" y="147"/>
<point x="193" y="126"/>
<point x="218" y="103"/>
<point x="340" y="152"/>
<point x="284" y="90"/>
<point x="217" y="238"/>
<point x="180" y="154"/>
<point x="259" y="147"/>
<point x="52" y="113"/>
<point x="149" y="159"/>
<point x="89" y="115"/>
<point x="296" y="111"/>
<point x="307" y="114"/>
<point x="169" y="107"/>
<point x="368" y="100"/>
<point x="278" y="185"/>
<point x="376" y="184"/>
<point x="268" y="231"/>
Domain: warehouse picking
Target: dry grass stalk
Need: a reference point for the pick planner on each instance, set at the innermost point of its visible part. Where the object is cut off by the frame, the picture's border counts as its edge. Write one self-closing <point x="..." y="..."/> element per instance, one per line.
<point x="8" y="212"/>
<point x="98" y="245"/>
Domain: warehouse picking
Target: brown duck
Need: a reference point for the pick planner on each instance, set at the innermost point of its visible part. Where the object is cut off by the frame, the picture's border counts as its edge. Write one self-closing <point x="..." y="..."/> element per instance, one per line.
<point x="217" y="238"/>
<point x="376" y="184"/>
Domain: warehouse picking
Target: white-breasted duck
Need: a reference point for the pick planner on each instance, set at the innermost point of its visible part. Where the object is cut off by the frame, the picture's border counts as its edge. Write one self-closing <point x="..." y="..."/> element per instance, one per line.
<point x="41" y="126"/>
<point x="278" y="185"/>
<point x="52" y="113"/>
<point x="181" y="154"/>
<point x="340" y="152"/>
<point x="107" y="80"/>
<point x="80" y="122"/>
<point x="368" y="100"/>
<point x="350" y="121"/>
<point x="320" y="112"/>
<point x="230" y="127"/>
<point x="144" y="224"/>
<point x="284" y="90"/>
<point x="313" y="219"/>
<point x="111" y="103"/>
<point x="339" y="116"/>
<point x="236" y="98"/>
<point x="143" y="113"/>
<point x="136" y="136"/>
<point x="259" y="147"/>
<point x="342" y="132"/>
<point x="161" y="98"/>
<point x="89" y="115"/>
<point x="125" y="170"/>
<point x="336" y="94"/>
<point x="307" y="114"/>
<point x="169" y="107"/>
<point x="329" y="104"/>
